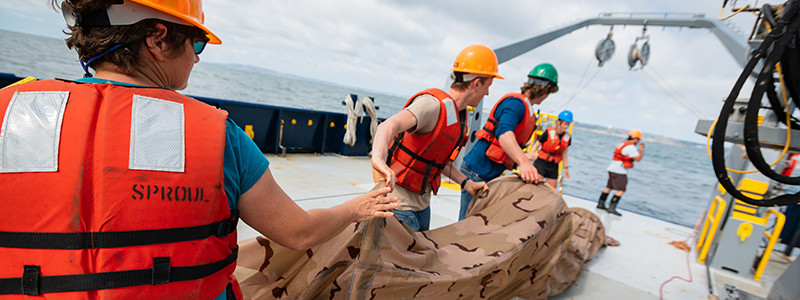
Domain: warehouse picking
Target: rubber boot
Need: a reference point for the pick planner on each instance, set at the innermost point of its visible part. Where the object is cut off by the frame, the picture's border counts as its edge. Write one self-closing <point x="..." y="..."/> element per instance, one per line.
<point x="612" y="206"/>
<point x="601" y="203"/>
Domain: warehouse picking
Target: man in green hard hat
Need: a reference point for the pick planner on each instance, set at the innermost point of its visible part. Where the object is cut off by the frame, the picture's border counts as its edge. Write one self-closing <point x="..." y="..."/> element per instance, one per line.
<point x="507" y="131"/>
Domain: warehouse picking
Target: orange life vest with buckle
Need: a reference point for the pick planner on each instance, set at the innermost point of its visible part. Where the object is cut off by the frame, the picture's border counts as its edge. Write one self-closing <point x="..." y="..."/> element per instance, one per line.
<point x="522" y="132"/>
<point x="418" y="159"/>
<point x="627" y="162"/>
<point x="113" y="192"/>
<point x="554" y="146"/>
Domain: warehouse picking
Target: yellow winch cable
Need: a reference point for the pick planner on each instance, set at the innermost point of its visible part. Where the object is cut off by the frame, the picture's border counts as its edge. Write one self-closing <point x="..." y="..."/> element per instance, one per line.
<point x="735" y="13"/>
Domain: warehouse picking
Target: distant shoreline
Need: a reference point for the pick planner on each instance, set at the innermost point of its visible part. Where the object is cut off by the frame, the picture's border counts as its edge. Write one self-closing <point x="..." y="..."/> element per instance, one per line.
<point x="647" y="137"/>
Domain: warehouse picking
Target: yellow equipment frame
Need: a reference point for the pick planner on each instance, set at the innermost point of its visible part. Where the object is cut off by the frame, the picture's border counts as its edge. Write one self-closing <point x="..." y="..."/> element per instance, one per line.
<point x="745" y="212"/>
<point x="710" y="227"/>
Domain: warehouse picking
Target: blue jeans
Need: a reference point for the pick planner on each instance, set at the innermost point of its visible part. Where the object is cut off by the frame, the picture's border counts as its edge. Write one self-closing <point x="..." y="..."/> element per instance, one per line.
<point x="466" y="198"/>
<point x="417" y="220"/>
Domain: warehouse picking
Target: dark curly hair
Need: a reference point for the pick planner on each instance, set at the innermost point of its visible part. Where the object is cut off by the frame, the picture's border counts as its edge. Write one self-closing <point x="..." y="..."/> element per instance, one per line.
<point x="535" y="90"/>
<point x="92" y="41"/>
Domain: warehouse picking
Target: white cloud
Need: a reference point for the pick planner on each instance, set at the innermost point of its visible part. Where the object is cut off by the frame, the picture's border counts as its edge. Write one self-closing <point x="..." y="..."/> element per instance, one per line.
<point x="401" y="47"/>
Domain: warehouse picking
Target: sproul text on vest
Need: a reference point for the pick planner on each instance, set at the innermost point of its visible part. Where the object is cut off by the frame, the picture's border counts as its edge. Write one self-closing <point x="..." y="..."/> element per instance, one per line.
<point x="167" y="193"/>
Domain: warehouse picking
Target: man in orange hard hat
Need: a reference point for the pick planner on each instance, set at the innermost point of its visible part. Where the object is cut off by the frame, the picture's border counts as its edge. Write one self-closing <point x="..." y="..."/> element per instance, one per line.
<point x="624" y="155"/>
<point x="414" y="147"/>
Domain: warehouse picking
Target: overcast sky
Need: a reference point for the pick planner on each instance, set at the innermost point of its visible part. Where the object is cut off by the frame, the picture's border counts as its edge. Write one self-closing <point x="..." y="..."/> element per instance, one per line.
<point x="401" y="47"/>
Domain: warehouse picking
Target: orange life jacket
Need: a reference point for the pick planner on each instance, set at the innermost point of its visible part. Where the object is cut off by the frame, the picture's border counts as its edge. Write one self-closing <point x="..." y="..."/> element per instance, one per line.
<point x="553" y="148"/>
<point x="418" y="159"/>
<point x="522" y="132"/>
<point x="101" y="200"/>
<point x="627" y="162"/>
<point x="789" y="169"/>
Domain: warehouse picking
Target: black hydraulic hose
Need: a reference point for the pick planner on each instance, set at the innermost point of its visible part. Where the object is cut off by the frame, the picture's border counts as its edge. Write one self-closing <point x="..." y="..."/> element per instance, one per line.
<point x="790" y="62"/>
<point x="776" y="105"/>
<point x="785" y="30"/>
<point x="766" y="9"/>
<point x="718" y="150"/>
<point x="790" y="65"/>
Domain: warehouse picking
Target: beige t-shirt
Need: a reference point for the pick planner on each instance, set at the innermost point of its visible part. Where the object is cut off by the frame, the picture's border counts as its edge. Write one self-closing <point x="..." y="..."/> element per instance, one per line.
<point x="426" y="108"/>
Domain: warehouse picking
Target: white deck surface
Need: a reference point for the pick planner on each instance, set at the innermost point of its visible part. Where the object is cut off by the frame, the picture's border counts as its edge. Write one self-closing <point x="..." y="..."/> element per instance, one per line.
<point x="634" y="270"/>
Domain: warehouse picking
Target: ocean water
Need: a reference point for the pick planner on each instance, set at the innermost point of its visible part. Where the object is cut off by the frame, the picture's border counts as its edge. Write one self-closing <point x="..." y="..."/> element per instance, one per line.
<point x="673" y="182"/>
<point x="42" y="57"/>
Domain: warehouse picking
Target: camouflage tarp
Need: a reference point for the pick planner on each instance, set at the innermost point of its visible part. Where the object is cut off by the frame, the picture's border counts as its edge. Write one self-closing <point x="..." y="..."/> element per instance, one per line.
<point x="518" y="240"/>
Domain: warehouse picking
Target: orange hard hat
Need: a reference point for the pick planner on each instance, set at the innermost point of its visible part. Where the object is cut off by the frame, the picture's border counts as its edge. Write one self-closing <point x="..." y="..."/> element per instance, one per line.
<point x="190" y="11"/>
<point x="635" y="133"/>
<point x="477" y="59"/>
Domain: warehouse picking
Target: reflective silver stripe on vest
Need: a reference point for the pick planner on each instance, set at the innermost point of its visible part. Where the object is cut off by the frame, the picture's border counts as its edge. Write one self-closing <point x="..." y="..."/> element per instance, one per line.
<point x="31" y="132"/>
<point x="157" y="135"/>
<point x="452" y="114"/>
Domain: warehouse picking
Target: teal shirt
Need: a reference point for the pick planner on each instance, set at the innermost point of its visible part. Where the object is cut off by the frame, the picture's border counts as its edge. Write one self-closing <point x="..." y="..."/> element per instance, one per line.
<point x="242" y="165"/>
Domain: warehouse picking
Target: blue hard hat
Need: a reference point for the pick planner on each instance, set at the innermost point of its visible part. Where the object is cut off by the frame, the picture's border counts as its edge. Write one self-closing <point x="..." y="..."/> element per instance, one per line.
<point x="565" y="116"/>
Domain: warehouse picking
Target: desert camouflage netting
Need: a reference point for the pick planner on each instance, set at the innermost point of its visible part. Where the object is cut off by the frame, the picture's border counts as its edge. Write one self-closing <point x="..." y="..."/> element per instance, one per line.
<point x="518" y="240"/>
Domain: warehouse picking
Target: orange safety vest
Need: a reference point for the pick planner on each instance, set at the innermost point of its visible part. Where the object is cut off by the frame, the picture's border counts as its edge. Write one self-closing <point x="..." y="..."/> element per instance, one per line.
<point x="553" y="148"/>
<point x="627" y="162"/>
<point x="100" y="200"/>
<point x="422" y="156"/>
<point x="522" y="132"/>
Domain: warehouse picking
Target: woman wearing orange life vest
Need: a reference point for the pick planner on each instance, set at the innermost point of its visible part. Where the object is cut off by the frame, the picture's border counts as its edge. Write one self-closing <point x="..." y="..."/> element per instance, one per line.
<point x="552" y="148"/>
<point x="118" y="187"/>
<point x="625" y="153"/>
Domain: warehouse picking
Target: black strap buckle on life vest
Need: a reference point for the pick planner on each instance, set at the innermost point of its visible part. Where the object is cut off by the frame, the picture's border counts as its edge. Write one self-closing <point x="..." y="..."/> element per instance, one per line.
<point x="430" y="165"/>
<point x="227" y="227"/>
<point x="495" y="123"/>
<point x="160" y="274"/>
<point x="114" y="239"/>
<point x="549" y="156"/>
<point x="393" y="148"/>
<point x="494" y="127"/>
<point x="397" y="144"/>
<point x="231" y="295"/>
<point x="30" y="280"/>
<point x="32" y="283"/>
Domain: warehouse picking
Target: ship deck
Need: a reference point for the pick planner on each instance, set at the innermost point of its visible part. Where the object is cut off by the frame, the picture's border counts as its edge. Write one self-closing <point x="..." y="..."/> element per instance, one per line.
<point x="634" y="270"/>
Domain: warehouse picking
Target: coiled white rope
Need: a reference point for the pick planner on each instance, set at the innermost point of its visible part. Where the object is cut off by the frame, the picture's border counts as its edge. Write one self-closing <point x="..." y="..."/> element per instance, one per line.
<point x="354" y="110"/>
<point x="369" y="107"/>
<point x="355" y="113"/>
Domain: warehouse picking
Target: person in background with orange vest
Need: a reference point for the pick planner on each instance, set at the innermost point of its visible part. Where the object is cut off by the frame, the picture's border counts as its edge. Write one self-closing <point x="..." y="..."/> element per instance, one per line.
<point x="414" y="147"/>
<point x="115" y="186"/>
<point x="507" y="131"/>
<point x="624" y="155"/>
<point x="552" y="146"/>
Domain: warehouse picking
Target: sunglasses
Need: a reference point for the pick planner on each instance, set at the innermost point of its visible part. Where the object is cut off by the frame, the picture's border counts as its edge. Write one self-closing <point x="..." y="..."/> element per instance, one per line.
<point x="199" y="42"/>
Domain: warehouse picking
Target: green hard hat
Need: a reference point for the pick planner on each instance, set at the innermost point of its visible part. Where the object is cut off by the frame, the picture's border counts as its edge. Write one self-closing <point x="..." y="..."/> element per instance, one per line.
<point x="545" y="71"/>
